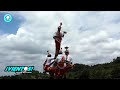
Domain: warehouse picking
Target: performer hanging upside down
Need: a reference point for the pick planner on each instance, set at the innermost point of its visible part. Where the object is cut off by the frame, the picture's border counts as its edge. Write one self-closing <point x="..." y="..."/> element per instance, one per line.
<point x="58" y="38"/>
<point x="48" y="62"/>
<point x="68" y="58"/>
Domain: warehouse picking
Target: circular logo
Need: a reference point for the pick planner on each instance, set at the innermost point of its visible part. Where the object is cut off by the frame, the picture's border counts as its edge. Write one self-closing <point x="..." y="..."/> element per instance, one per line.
<point x="7" y="18"/>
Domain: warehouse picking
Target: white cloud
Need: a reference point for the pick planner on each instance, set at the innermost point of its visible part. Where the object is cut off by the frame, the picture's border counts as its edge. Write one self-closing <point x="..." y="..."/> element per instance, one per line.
<point x="93" y="37"/>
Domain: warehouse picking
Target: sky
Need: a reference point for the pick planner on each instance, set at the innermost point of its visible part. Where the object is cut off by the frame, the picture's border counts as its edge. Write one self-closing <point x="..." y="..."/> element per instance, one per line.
<point x="93" y="37"/>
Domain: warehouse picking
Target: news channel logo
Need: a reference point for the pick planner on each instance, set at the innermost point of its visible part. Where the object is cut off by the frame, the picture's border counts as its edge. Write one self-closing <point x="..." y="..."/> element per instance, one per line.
<point x="23" y="69"/>
<point x="7" y="17"/>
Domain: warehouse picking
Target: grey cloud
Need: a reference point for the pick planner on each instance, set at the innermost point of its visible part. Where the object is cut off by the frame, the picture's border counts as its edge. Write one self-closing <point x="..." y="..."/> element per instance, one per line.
<point x="90" y="38"/>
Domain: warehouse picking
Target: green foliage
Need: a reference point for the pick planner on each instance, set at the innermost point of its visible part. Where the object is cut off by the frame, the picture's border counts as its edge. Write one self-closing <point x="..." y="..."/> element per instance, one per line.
<point x="80" y="71"/>
<point x="34" y="75"/>
<point x="100" y="71"/>
<point x="116" y="73"/>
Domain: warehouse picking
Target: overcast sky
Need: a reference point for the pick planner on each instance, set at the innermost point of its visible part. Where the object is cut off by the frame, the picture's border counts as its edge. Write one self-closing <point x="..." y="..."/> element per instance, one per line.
<point x="93" y="37"/>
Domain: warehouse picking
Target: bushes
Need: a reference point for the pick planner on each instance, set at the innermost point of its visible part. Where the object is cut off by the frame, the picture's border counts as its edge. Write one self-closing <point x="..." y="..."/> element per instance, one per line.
<point x="100" y="71"/>
<point x="80" y="71"/>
